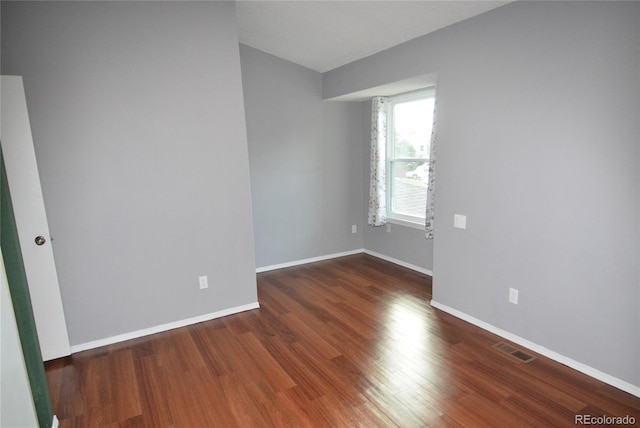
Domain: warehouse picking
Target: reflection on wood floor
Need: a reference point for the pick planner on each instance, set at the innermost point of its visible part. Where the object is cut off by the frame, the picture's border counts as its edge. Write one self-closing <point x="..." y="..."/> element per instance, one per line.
<point x="350" y="342"/>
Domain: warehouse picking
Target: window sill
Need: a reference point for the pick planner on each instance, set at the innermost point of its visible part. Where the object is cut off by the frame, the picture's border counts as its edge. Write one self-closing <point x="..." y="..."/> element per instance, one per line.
<point x="406" y="223"/>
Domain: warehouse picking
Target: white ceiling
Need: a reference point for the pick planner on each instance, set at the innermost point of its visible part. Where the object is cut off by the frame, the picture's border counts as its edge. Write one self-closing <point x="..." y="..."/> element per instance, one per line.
<point x="322" y="35"/>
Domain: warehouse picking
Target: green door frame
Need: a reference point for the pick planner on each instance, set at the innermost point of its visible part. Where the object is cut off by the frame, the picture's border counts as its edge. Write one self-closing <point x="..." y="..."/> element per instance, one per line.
<point x="19" y="290"/>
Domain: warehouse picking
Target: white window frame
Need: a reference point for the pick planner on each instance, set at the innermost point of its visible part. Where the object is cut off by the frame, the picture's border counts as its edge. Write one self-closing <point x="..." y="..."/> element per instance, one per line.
<point x="393" y="217"/>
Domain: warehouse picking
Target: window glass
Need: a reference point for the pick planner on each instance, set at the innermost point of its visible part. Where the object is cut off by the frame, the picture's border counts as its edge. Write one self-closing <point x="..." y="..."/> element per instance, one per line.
<point x="412" y="122"/>
<point x="409" y="142"/>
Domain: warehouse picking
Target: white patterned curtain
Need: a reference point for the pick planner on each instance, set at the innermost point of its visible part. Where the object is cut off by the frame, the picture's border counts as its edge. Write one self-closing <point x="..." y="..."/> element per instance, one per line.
<point x="431" y="189"/>
<point x="378" y="184"/>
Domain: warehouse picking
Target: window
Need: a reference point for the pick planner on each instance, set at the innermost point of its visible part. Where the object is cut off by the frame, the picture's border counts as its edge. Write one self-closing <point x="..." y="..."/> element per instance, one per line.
<point x="409" y="125"/>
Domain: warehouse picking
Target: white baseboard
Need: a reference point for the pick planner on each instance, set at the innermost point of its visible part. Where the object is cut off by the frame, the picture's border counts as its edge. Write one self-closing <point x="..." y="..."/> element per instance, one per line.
<point x="576" y="365"/>
<point x="162" y="327"/>
<point x="398" y="262"/>
<point x="345" y="253"/>
<point x="310" y="260"/>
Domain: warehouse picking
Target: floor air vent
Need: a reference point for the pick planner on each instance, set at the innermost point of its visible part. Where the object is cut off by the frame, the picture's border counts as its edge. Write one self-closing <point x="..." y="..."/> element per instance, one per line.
<point x="514" y="352"/>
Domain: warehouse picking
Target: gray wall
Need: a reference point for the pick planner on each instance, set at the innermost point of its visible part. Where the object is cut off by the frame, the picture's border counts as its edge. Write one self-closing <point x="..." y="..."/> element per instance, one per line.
<point x="406" y="244"/>
<point x="139" y="131"/>
<point x="309" y="169"/>
<point x="538" y="138"/>
<point x="306" y="162"/>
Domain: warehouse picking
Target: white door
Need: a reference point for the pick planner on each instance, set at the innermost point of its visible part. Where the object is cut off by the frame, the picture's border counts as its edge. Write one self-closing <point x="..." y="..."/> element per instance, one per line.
<point x="31" y="219"/>
<point x="16" y="400"/>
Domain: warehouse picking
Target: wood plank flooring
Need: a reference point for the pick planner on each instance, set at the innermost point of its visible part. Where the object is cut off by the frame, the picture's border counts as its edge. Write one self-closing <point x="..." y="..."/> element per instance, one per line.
<point x="350" y="342"/>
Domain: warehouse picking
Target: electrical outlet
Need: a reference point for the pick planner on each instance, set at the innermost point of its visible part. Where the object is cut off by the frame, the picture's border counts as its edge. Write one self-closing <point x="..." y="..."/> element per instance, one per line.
<point x="513" y="296"/>
<point x="204" y="283"/>
<point x="388" y="227"/>
<point x="354" y="228"/>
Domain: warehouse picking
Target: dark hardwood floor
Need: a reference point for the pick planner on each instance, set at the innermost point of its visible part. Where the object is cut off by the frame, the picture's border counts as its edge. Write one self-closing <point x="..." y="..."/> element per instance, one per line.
<point x="350" y="342"/>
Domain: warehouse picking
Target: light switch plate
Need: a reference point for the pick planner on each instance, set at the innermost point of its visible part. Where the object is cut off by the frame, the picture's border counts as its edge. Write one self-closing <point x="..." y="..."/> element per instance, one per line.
<point x="460" y="221"/>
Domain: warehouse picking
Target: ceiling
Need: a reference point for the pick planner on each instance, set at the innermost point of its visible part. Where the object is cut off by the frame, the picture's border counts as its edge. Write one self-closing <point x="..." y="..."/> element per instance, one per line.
<point x="322" y="35"/>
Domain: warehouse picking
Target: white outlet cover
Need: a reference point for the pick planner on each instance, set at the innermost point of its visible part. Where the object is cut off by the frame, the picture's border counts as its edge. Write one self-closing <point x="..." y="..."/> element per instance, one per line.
<point x="204" y="283"/>
<point x="513" y="296"/>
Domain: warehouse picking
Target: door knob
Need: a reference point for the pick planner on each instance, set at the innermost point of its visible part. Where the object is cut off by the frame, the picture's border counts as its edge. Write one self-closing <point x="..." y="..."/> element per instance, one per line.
<point x="40" y="240"/>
